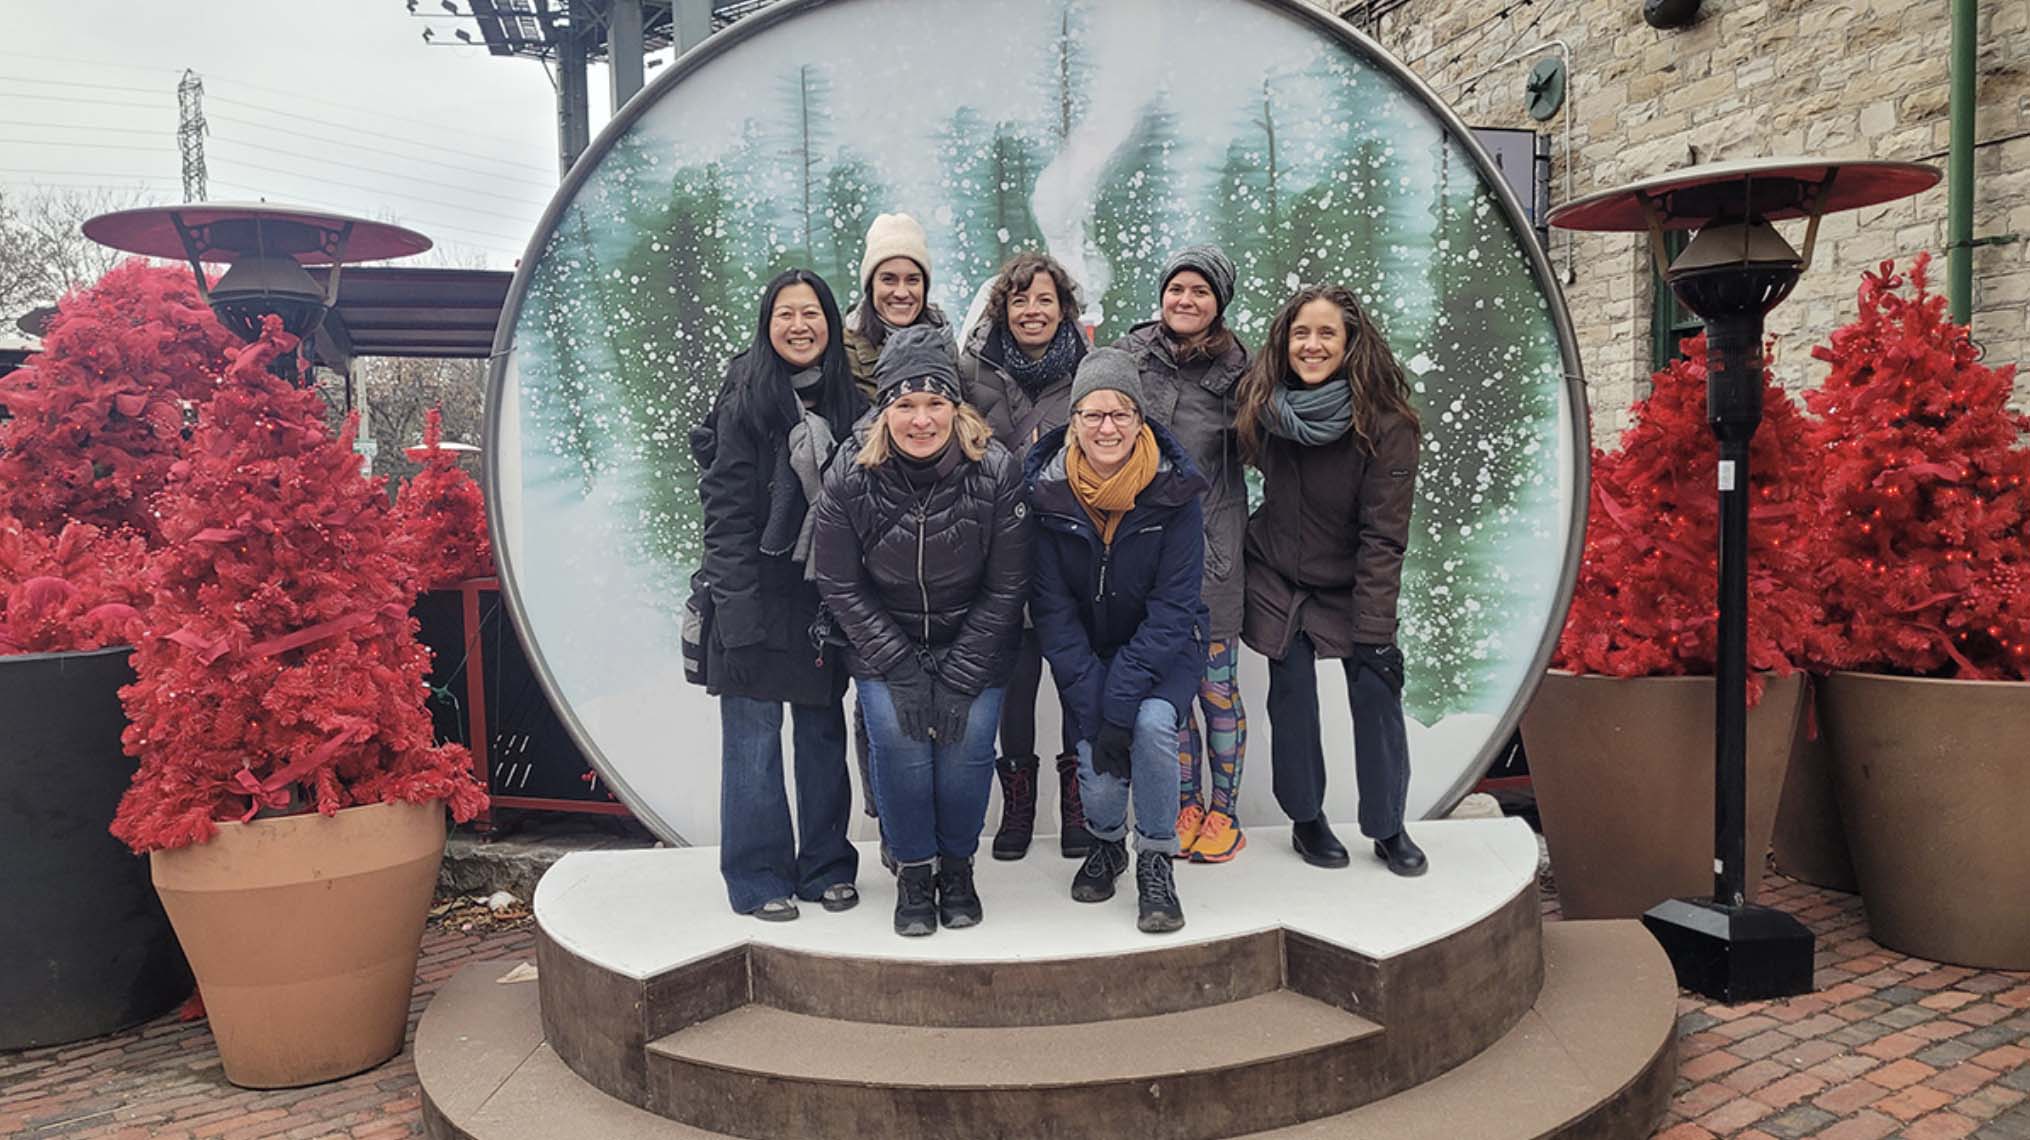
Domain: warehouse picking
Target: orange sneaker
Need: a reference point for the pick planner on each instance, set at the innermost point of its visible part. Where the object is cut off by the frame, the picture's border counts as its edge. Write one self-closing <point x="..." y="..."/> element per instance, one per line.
<point x="1218" y="839"/>
<point x="1189" y="819"/>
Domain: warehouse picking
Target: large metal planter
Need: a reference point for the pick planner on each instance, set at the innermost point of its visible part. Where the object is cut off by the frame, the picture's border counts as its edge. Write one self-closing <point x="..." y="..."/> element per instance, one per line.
<point x="86" y="950"/>
<point x="1934" y="787"/>
<point x="1623" y="770"/>
<point x="304" y="932"/>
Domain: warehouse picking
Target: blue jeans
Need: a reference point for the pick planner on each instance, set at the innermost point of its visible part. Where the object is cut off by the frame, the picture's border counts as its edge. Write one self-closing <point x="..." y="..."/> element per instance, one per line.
<point x="759" y="855"/>
<point x="1152" y="777"/>
<point x="932" y="796"/>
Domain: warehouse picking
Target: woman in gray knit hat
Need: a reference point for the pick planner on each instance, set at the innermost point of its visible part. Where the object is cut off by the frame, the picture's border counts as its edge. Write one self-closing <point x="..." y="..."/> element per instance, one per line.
<point x="1190" y="364"/>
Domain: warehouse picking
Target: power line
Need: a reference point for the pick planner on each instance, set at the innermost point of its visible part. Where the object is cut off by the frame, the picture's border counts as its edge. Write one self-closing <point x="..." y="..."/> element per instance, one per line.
<point x="351" y="106"/>
<point x="75" y="83"/>
<point x="84" y="174"/>
<point x="1481" y="28"/>
<point x="549" y="185"/>
<point x="91" y="62"/>
<point x="379" y="170"/>
<point x="76" y="127"/>
<point x="88" y="146"/>
<point x="72" y="99"/>
<point x="374" y="134"/>
<point x="512" y="243"/>
<point x="380" y="190"/>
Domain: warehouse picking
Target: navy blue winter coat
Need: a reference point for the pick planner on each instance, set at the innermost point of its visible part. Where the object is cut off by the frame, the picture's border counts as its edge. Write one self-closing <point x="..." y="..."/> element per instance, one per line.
<point x="1122" y="624"/>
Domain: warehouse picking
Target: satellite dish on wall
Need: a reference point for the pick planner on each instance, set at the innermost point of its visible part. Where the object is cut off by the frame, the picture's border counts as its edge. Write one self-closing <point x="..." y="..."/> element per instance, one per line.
<point x="1545" y="91"/>
<point x="1136" y="127"/>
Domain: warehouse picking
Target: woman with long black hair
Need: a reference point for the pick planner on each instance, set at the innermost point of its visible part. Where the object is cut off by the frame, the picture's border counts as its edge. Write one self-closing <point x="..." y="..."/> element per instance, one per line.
<point x="1324" y="413"/>
<point x="784" y="401"/>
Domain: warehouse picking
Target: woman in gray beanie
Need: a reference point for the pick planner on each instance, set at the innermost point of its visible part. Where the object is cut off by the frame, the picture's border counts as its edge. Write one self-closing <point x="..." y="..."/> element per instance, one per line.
<point x="1190" y="365"/>
<point x="922" y="557"/>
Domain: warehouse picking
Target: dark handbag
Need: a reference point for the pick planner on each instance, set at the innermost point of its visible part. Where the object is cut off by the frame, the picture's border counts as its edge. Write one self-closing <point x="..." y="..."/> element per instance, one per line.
<point x="695" y="630"/>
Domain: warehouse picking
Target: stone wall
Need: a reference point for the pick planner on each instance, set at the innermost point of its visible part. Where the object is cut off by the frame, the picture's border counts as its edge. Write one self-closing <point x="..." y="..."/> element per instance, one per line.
<point x="1749" y="79"/>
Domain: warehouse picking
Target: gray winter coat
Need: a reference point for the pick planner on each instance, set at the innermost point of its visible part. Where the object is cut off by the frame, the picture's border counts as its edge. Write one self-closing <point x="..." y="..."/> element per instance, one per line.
<point x="1018" y="421"/>
<point x="1196" y="402"/>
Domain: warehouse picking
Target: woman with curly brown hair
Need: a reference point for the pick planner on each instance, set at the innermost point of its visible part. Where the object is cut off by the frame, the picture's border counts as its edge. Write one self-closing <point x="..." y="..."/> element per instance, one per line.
<point x="1017" y="369"/>
<point x="1324" y="413"/>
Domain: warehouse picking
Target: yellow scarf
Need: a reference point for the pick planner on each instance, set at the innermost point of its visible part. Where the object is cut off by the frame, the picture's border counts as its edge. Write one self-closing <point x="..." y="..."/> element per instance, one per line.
<point x="1107" y="500"/>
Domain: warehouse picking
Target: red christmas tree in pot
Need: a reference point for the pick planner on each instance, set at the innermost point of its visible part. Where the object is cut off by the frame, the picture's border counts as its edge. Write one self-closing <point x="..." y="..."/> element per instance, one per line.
<point x="1926" y="543"/>
<point x="1622" y="753"/>
<point x="280" y="673"/>
<point x="441" y="516"/>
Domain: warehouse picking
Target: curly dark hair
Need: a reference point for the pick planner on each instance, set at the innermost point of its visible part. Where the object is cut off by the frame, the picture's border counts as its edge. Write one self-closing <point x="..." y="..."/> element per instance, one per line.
<point x="1019" y="273"/>
<point x="1377" y="377"/>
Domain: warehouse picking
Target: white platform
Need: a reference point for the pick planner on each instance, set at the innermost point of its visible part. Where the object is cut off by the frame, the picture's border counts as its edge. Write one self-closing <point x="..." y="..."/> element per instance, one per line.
<point x="640" y="913"/>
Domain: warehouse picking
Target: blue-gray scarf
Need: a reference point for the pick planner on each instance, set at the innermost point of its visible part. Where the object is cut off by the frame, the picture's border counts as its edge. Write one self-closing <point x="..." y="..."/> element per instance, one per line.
<point x="1312" y="416"/>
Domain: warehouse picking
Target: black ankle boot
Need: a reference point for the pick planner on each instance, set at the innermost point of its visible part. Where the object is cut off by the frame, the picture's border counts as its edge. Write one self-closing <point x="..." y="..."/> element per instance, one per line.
<point x="958" y="903"/>
<point x="1314" y="840"/>
<point x="916" y="900"/>
<point x="1095" y="879"/>
<point x="1157" y="908"/>
<point x="1018" y="806"/>
<point x="1402" y="855"/>
<point x="1073" y="840"/>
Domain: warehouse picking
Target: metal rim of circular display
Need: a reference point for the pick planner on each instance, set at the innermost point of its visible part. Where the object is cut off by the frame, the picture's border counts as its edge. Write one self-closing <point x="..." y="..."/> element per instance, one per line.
<point x="154" y="231"/>
<point x="760" y="23"/>
<point x="1855" y="184"/>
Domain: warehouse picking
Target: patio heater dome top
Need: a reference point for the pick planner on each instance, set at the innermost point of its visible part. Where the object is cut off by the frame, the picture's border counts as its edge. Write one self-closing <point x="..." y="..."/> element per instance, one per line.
<point x="227" y="231"/>
<point x="1777" y="189"/>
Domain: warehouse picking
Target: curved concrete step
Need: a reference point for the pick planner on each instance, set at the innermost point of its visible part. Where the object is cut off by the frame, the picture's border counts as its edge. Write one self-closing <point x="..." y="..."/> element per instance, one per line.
<point x="768" y="1074"/>
<point x="1593" y="1059"/>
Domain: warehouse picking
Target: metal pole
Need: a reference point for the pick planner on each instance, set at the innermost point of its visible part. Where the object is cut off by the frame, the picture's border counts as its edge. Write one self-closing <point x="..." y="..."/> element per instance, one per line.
<point x="693" y="20"/>
<point x="624" y="51"/>
<point x="574" y="112"/>
<point x="1959" y="250"/>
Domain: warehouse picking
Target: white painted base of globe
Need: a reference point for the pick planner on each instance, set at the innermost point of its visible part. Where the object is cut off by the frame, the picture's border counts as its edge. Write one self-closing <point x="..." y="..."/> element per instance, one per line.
<point x="639" y="913"/>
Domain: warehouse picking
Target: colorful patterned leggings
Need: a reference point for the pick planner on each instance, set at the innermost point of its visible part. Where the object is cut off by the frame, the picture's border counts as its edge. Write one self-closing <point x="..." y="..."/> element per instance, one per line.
<point x="1226" y="729"/>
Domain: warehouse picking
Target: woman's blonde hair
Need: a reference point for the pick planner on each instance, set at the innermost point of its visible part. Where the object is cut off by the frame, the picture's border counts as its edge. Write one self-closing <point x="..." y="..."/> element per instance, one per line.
<point x="969" y="425"/>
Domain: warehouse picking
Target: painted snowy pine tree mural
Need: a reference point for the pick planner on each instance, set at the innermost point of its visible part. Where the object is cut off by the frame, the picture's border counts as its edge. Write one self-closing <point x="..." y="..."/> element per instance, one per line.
<point x="1485" y="390"/>
<point x="1138" y="211"/>
<point x="1251" y="224"/>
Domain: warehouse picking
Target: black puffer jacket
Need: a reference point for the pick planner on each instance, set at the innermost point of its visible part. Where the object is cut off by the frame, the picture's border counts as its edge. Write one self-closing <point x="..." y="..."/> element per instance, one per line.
<point x="938" y="574"/>
<point x="1196" y="402"/>
<point x="758" y="600"/>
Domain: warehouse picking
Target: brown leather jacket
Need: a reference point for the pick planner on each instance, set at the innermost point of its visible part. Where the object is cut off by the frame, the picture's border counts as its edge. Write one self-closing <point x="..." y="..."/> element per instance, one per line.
<point x="1325" y="549"/>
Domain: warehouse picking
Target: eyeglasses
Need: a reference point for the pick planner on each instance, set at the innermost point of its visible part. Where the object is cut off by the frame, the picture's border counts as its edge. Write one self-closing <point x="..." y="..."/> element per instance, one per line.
<point x="1122" y="420"/>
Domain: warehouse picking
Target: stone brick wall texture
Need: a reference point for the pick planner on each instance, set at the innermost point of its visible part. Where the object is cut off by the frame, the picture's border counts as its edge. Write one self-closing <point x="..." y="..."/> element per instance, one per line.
<point x="1749" y="79"/>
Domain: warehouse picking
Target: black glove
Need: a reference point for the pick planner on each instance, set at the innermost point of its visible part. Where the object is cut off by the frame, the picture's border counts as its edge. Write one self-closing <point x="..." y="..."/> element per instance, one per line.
<point x="743" y="667"/>
<point x="1385" y="661"/>
<point x="911" y="691"/>
<point x="950" y="710"/>
<point x="1111" y="750"/>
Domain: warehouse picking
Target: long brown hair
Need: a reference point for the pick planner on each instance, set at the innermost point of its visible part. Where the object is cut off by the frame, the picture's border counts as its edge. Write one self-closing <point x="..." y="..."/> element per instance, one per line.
<point x="1377" y="378"/>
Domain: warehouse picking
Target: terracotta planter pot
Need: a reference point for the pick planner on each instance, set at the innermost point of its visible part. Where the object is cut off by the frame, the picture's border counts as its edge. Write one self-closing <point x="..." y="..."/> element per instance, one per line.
<point x="88" y="950"/>
<point x="303" y="932"/>
<point x="1810" y="842"/>
<point x="1623" y="769"/>
<point x="1934" y="789"/>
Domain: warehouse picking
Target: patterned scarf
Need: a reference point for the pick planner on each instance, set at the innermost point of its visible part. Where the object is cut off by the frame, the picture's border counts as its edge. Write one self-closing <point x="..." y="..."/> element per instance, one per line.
<point x="1060" y="357"/>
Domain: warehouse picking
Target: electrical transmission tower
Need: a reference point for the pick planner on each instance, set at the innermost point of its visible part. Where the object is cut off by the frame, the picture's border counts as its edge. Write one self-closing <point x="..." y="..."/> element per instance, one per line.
<point x="190" y="131"/>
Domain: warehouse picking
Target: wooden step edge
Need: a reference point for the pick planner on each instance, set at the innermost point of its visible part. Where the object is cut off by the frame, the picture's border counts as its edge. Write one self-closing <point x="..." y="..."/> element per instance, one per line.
<point x="771" y="1044"/>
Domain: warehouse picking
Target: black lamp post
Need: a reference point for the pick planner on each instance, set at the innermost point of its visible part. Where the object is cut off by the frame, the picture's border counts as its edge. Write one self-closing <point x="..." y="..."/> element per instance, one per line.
<point x="266" y="248"/>
<point x="1734" y="271"/>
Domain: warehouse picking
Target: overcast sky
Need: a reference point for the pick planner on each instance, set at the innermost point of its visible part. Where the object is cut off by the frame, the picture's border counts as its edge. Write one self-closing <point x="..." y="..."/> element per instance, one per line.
<point x="332" y="103"/>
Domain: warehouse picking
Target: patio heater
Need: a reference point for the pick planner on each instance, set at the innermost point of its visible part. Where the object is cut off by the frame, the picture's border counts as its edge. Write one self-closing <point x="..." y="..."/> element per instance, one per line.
<point x="266" y="248"/>
<point x="1735" y="269"/>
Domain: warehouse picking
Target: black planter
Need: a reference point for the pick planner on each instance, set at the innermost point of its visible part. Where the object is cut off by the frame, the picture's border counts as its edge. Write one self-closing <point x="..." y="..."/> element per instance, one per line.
<point x="84" y="947"/>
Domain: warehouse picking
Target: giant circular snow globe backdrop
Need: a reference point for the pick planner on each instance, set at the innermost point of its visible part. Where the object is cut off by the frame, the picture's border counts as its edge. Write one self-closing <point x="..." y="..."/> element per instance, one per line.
<point x="1107" y="132"/>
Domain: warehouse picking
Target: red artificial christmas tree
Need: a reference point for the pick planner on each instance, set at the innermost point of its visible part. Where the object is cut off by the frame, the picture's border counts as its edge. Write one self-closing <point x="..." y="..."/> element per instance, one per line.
<point x="440" y="516"/>
<point x="1925" y="531"/>
<point x="77" y="590"/>
<point x="279" y="667"/>
<point x="1646" y="600"/>
<point x="97" y="416"/>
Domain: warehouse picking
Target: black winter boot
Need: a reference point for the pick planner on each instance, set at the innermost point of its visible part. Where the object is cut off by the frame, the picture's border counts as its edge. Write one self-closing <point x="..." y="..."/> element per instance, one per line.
<point x="1018" y="805"/>
<point x="1073" y="840"/>
<point x="1157" y="909"/>
<point x="916" y="900"/>
<point x="958" y="904"/>
<point x="1095" y="879"/>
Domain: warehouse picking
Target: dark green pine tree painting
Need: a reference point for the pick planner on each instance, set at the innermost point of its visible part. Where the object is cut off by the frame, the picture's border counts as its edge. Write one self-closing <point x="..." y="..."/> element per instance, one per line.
<point x="1137" y="211"/>
<point x="853" y="195"/>
<point x="556" y="338"/>
<point x="987" y="177"/>
<point x="1485" y="387"/>
<point x="1253" y="217"/>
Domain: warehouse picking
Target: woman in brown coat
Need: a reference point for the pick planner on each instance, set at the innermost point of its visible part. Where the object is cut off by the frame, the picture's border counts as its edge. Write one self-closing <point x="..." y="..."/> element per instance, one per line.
<point x="1324" y="413"/>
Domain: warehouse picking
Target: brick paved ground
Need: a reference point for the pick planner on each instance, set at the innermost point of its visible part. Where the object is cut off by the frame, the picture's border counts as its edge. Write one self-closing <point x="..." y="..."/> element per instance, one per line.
<point x="1889" y="1047"/>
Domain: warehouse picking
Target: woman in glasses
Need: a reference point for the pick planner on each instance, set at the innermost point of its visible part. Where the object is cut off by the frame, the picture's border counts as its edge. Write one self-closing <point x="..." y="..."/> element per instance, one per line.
<point x="1120" y="549"/>
<point x="1325" y="415"/>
